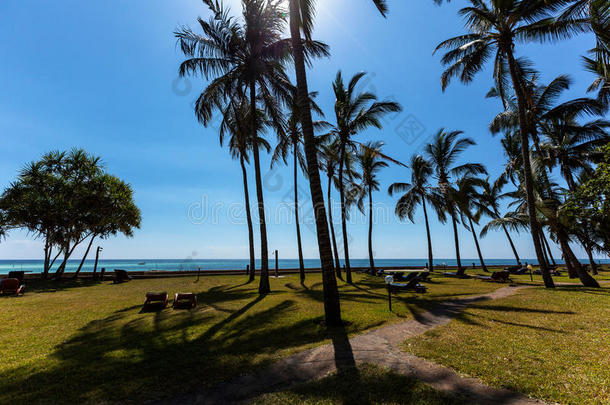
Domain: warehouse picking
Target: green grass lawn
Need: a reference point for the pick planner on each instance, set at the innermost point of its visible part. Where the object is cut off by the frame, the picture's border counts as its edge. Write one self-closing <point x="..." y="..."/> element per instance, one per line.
<point x="367" y="384"/>
<point x="549" y="344"/>
<point x="89" y="342"/>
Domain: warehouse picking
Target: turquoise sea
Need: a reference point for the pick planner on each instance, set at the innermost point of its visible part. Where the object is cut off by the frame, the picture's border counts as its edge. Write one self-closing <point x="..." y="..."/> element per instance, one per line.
<point x="35" y="266"/>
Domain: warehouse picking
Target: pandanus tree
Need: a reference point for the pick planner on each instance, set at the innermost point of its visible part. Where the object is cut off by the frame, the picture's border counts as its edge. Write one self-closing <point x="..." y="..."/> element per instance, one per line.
<point x="67" y="198"/>
<point x="354" y="112"/>
<point x="370" y="162"/>
<point x="242" y="59"/>
<point x="488" y="204"/>
<point x="495" y="27"/>
<point x="418" y="191"/>
<point x="291" y="143"/>
<point x="443" y="153"/>
<point x="301" y="23"/>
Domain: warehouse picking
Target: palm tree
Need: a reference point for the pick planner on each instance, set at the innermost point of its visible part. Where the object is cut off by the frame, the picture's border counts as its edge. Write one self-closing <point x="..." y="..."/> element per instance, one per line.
<point x="415" y="193"/>
<point x="371" y="163"/>
<point x="235" y="123"/>
<point x="494" y="28"/>
<point x="489" y="204"/>
<point x="571" y="145"/>
<point x="290" y="142"/>
<point x="354" y="113"/>
<point x="329" y="160"/>
<point x="241" y="60"/>
<point x="301" y="21"/>
<point x="468" y="197"/>
<point x="443" y="153"/>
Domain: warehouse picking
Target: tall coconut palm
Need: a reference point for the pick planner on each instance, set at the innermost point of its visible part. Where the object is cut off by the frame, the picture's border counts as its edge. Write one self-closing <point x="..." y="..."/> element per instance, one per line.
<point x="235" y="123"/>
<point x="572" y="145"/>
<point x="290" y="142"/>
<point x="489" y="204"/>
<point x="443" y="153"/>
<point x="241" y="59"/>
<point x="495" y="27"/>
<point x="370" y="162"/>
<point x="329" y="160"/>
<point x="301" y="22"/>
<point x="418" y="192"/>
<point x="354" y="112"/>
<point x="467" y="198"/>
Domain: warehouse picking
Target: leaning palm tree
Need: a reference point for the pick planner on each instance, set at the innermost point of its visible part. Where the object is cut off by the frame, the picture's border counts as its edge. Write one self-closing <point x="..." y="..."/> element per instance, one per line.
<point x="290" y="142"/>
<point x="241" y="59"/>
<point x="495" y="27"/>
<point x="370" y="162"/>
<point x="354" y="112"/>
<point x="443" y="153"/>
<point x="418" y="192"/>
<point x="301" y="22"/>
<point x="488" y="204"/>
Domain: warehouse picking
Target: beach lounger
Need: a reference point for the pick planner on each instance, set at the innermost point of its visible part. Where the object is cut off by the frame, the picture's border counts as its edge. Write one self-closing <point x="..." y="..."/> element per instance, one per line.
<point x="121" y="276"/>
<point x="514" y="269"/>
<point x="497" y="277"/>
<point x="156" y="299"/>
<point x="184" y="300"/>
<point x="11" y="286"/>
<point x="19" y="275"/>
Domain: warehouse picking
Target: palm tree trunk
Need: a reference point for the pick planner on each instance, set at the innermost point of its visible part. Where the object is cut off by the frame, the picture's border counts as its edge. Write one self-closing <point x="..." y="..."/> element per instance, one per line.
<point x="460" y="271"/>
<point x="591" y="260"/>
<point x="332" y="306"/>
<point x="263" y="287"/>
<point x="371" y="260"/>
<point x="527" y="168"/>
<point x="476" y="242"/>
<point x="47" y="258"/>
<point x="430" y="258"/>
<point x="544" y="250"/>
<point x="332" y="229"/>
<point x="80" y="266"/>
<point x="548" y="248"/>
<point x="585" y="278"/>
<point x="296" y="216"/>
<point x="348" y="270"/>
<point x="510" y="240"/>
<point x="244" y="174"/>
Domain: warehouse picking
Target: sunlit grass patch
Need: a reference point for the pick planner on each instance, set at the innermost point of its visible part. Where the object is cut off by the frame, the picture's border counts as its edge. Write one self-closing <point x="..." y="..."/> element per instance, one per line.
<point x="549" y="344"/>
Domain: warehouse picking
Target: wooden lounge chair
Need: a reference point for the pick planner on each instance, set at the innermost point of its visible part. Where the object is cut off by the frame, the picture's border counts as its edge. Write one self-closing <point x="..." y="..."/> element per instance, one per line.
<point x="121" y="276"/>
<point x="11" y="286"/>
<point x="514" y="269"/>
<point x="497" y="277"/>
<point x="19" y="275"/>
<point x="185" y="300"/>
<point x="156" y="299"/>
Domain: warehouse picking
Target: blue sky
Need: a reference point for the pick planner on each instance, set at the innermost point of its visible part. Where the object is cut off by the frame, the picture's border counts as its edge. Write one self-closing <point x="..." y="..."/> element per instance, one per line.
<point x="103" y="76"/>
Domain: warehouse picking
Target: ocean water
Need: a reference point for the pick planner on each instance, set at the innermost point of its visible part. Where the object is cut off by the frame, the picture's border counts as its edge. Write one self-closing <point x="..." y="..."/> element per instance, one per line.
<point x="36" y="266"/>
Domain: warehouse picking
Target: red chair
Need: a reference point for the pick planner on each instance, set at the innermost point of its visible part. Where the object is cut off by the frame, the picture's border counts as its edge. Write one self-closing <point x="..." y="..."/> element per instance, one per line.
<point x="12" y="286"/>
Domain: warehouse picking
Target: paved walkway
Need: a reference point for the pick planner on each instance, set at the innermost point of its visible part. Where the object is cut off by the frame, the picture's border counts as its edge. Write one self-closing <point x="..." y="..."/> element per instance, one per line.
<point x="381" y="347"/>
